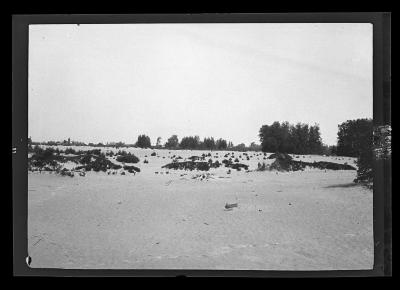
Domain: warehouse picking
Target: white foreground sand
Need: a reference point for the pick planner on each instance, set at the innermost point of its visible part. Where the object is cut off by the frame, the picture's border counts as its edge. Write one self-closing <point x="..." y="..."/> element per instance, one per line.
<point x="306" y="220"/>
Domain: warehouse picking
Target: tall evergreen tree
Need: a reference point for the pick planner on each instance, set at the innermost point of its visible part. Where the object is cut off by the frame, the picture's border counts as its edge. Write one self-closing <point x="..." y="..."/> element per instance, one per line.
<point x="143" y="141"/>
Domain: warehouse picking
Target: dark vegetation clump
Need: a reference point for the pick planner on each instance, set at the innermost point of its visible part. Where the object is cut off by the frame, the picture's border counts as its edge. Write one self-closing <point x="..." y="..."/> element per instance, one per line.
<point x="237" y="166"/>
<point x="261" y="167"/>
<point x="96" y="163"/>
<point x="70" y="151"/>
<point x="188" y="165"/>
<point x="226" y="162"/>
<point x="43" y="157"/>
<point x="131" y="168"/>
<point x="93" y="151"/>
<point x="285" y="163"/>
<point x="49" y="159"/>
<point x="66" y="172"/>
<point x="125" y="157"/>
<point x="216" y="164"/>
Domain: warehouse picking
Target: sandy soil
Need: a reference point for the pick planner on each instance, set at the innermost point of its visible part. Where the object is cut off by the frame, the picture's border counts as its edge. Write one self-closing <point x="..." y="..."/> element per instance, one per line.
<point x="307" y="220"/>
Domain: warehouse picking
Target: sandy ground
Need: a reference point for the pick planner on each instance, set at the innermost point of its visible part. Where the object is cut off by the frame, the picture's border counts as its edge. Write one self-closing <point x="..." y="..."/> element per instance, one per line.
<point x="306" y="220"/>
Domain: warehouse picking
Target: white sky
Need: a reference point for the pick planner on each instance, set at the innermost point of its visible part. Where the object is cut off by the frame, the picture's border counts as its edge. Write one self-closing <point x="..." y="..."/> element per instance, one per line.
<point x="101" y="83"/>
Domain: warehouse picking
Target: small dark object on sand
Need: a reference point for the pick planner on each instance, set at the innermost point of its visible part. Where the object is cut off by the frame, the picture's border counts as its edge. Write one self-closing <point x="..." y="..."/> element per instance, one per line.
<point x="153" y="154"/>
<point x="122" y="173"/>
<point x="230" y="205"/>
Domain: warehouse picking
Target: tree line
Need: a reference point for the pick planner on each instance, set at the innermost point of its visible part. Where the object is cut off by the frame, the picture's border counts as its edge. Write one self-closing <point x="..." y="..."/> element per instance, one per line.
<point x="356" y="139"/>
<point x="195" y="143"/>
<point x="288" y="138"/>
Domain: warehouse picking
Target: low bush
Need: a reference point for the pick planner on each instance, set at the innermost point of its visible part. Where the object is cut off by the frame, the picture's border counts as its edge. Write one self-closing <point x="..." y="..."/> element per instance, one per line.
<point x="188" y="165"/>
<point x="131" y="168"/>
<point x="70" y="151"/>
<point x="128" y="158"/>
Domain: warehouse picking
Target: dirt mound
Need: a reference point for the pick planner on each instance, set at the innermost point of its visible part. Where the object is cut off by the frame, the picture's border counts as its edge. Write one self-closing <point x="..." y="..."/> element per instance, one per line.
<point x="196" y="158"/>
<point x="291" y="165"/>
<point x="284" y="162"/>
<point x="282" y="156"/>
<point x="281" y="164"/>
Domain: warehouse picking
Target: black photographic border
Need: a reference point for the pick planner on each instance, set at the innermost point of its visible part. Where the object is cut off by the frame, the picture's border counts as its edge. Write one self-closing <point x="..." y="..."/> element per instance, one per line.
<point x="382" y="207"/>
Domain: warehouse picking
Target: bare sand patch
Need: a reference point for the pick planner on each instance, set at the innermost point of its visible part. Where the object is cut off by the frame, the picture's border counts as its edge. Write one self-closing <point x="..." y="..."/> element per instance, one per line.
<point x="304" y="220"/>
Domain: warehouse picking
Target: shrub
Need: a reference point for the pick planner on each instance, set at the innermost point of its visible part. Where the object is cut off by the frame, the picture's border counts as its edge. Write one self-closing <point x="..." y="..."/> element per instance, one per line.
<point x="42" y="157"/>
<point x="131" y="168"/>
<point x="143" y="141"/>
<point x="238" y="166"/>
<point x="262" y="167"/>
<point x="70" y="151"/>
<point x="128" y="158"/>
<point x="188" y="165"/>
<point x="97" y="163"/>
